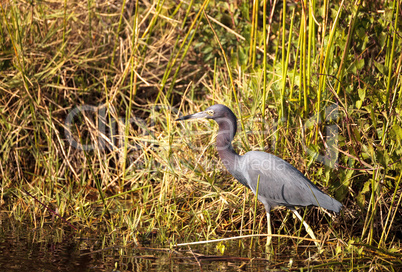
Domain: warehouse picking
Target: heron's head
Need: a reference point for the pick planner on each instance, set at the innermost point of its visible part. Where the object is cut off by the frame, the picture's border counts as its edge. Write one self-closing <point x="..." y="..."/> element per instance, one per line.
<point x="214" y="112"/>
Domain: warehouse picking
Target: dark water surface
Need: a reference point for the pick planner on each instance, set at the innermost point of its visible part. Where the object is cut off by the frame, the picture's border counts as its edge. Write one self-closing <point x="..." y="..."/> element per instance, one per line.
<point x="25" y="248"/>
<point x="48" y="248"/>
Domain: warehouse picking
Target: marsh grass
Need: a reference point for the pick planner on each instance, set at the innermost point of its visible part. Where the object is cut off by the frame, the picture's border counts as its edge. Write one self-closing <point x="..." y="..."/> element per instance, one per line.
<point x="139" y="65"/>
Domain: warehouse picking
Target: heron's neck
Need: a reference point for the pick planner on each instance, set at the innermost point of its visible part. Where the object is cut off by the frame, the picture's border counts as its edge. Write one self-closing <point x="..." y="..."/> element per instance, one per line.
<point x="226" y="133"/>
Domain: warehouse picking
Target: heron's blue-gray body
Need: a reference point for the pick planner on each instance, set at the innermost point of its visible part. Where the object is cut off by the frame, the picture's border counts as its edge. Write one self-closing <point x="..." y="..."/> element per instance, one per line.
<point x="279" y="183"/>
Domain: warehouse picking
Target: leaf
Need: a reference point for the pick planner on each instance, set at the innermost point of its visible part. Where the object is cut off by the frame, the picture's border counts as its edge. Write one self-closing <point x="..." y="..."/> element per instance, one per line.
<point x="383" y="157"/>
<point x="360" y="64"/>
<point x="361" y="32"/>
<point x="242" y="56"/>
<point x="200" y="44"/>
<point x="360" y="199"/>
<point x="207" y="49"/>
<point x="366" y="152"/>
<point x="221" y="248"/>
<point x="362" y="93"/>
<point x="380" y="67"/>
<point x="356" y="65"/>
<point x="396" y="133"/>
<point x="357" y="134"/>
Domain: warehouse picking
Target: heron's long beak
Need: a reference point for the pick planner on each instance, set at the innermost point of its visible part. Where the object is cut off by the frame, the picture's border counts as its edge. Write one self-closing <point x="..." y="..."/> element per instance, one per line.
<point x="198" y="115"/>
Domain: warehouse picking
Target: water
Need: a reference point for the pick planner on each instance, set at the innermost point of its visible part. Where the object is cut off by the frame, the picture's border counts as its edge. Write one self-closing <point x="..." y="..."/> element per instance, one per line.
<point x="49" y="248"/>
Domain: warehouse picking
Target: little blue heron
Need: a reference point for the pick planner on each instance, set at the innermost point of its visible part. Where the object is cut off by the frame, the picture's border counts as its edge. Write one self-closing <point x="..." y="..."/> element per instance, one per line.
<point x="279" y="183"/>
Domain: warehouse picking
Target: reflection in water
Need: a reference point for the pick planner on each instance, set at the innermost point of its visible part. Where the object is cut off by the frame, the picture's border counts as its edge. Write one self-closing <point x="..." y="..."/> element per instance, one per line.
<point x="30" y="250"/>
<point x="23" y="248"/>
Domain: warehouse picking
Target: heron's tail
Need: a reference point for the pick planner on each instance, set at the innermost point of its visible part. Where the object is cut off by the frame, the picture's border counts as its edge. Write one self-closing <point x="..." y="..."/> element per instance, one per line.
<point x="327" y="202"/>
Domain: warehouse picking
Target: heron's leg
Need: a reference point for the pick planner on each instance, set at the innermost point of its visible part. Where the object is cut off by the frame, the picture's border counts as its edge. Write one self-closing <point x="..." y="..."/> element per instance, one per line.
<point x="308" y="228"/>
<point x="269" y="238"/>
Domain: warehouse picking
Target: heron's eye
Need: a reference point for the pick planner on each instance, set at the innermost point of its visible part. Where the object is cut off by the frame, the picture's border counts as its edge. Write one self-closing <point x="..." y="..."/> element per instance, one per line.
<point x="210" y="112"/>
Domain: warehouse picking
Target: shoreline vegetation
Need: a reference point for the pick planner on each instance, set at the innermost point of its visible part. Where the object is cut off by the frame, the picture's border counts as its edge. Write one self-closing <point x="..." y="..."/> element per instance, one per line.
<point x="89" y="92"/>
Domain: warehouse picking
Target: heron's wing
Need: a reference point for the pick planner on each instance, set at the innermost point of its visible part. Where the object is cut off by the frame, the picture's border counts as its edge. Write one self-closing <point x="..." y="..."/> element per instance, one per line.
<point x="280" y="183"/>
